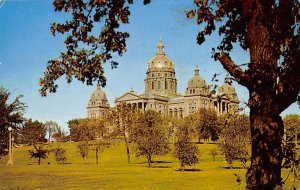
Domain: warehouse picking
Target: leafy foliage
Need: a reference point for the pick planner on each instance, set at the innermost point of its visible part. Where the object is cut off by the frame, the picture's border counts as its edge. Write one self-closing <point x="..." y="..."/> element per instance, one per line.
<point x="185" y="151"/>
<point x="93" y="37"/>
<point x="33" y="132"/>
<point x="213" y="153"/>
<point x="234" y="135"/>
<point x="123" y="118"/>
<point x="100" y="146"/>
<point x="83" y="149"/>
<point x="207" y="124"/>
<point x="60" y="155"/>
<point x="86" y="129"/>
<point x="39" y="152"/>
<point x="149" y="136"/>
<point x="59" y="134"/>
<point x="11" y="115"/>
<point x="291" y="159"/>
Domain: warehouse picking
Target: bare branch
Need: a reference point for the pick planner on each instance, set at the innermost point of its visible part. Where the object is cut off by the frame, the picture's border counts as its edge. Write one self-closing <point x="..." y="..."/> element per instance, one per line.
<point x="240" y="76"/>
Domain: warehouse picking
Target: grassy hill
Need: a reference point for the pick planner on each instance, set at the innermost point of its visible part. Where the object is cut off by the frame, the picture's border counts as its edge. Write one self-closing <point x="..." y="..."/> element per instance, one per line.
<point x="113" y="172"/>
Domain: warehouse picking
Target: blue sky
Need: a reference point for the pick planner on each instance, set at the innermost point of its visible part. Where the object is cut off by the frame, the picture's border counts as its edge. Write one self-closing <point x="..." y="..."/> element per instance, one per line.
<point x="26" y="45"/>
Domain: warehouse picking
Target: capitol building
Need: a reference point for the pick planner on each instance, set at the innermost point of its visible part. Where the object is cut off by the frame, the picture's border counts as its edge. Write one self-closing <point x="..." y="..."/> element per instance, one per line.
<point x="161" y="92"/>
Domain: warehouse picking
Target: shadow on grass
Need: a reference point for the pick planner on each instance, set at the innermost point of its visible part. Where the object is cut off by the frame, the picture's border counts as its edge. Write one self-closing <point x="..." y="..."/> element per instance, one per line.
<point x="156" y="162"/>
<point x="234" y="167"/>
<point x="189" y="170"/>
<point x="160" y="167"/>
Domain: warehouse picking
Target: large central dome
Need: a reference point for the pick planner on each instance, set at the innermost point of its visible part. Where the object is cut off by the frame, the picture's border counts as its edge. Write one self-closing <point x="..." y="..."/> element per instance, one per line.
<point x="160" y="60"/>
<point x="160" y="78"/>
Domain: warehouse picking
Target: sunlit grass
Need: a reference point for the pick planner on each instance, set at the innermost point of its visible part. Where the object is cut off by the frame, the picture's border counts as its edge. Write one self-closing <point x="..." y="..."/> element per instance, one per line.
<point x="113" y="172"/>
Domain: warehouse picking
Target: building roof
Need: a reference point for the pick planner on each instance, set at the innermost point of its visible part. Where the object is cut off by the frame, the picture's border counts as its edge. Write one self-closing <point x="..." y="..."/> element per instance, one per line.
<point x="196" y="81"/>
<point x="98" y="94"/>
<point x="160" y="60"/>
<point x="228" y="89"/>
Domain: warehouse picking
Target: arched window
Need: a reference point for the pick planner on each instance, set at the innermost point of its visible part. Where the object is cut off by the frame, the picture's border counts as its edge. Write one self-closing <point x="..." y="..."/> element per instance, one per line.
<point x="152" y="85"/>
<point x="166" y="84"/>
<point x="158" y="85"/>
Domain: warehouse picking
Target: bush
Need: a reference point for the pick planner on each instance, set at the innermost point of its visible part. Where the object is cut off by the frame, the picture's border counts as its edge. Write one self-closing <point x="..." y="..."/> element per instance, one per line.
<point x="213" y="153"/>
<point x="60" y="155"/>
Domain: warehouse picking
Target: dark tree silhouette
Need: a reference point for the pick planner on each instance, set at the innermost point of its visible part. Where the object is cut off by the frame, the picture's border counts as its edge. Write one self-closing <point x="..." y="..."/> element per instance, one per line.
<point x="269" y="31"/>
<point x="86" y="53"/>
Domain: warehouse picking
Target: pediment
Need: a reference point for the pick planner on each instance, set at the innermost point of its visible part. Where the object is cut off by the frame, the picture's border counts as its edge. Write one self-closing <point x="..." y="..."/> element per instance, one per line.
<point x="128" y="97"/>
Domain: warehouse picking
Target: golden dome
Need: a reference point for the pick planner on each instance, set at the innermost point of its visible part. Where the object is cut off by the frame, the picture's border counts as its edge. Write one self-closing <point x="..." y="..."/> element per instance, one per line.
<point x="160" y="60"/>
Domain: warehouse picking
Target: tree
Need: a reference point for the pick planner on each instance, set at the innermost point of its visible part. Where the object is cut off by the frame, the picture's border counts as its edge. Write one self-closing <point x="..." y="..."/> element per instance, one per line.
<point x="59" y="134"/>
<point x="100" y="146"/>
<point x="87" y="129"/>
<point x="83" y="150"/>
<point x="272" y="76"/>
<point x="207" y="124"/>
<point x="33" y="132"/>
<point x="51" y="127"/>
<point x="60" y="155"/>
<point x="39" y="152"/>
<point x="86" y="64"/>
<point x="213" y="153"/>
<point x="185" y="150"/>
<point x="11" y="115"/>
<point x="123" y="117"/>
<point x="150" y="136"/>
<point x="234" y="135"/>
<point x="292" y="126"/>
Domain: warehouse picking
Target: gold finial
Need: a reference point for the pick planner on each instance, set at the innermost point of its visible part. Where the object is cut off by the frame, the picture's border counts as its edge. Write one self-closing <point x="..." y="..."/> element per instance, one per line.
<point x="196" y="70"/>
<point x="160" y="47"/>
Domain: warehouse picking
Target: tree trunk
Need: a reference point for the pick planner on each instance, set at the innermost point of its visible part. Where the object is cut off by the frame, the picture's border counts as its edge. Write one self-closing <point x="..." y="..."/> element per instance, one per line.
<point x="266" y="134"/>
<point x="149" y="161"/>
<point x="127" y="149"/>
<point x="97" y="155"/>
<point x="39" y="161"/>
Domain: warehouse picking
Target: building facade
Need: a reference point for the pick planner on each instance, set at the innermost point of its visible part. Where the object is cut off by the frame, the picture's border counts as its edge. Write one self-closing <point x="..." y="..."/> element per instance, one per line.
<point x="161" y="92"/>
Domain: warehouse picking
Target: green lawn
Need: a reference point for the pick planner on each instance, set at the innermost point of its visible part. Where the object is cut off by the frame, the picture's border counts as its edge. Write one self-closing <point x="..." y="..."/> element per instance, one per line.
<point x="113" y="172"/>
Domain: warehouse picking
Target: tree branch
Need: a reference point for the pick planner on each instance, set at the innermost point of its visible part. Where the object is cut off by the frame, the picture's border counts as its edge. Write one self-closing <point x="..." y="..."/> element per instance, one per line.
<point x="288" y="86"/>
<point x="234" y="70"/>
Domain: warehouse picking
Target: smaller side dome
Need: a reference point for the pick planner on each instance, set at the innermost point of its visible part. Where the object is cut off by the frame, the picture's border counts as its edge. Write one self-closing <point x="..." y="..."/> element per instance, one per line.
<point x="98" y="98"/>
<point x="228" y="89"/>
<point x="98" y="94"/>
<point x="196" y="81"/>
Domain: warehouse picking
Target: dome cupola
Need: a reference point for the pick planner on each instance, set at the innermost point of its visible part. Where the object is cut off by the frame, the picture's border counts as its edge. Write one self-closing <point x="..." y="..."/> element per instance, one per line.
<point x="196" y="81"/>
<point x="160" y="77"/>
<point x="98" y="103"/>
<point x="160" y="60"/>
<point x="196" y="85"/>
<point x="228" y="89"/>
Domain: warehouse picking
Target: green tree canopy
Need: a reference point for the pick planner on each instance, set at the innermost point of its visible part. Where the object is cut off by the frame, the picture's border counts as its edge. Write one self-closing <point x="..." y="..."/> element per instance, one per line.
<point x="150" y="136"/>
<point x="11" y="115"/>
<point x="185" y="150"/>
<point x="33" y="132"/>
